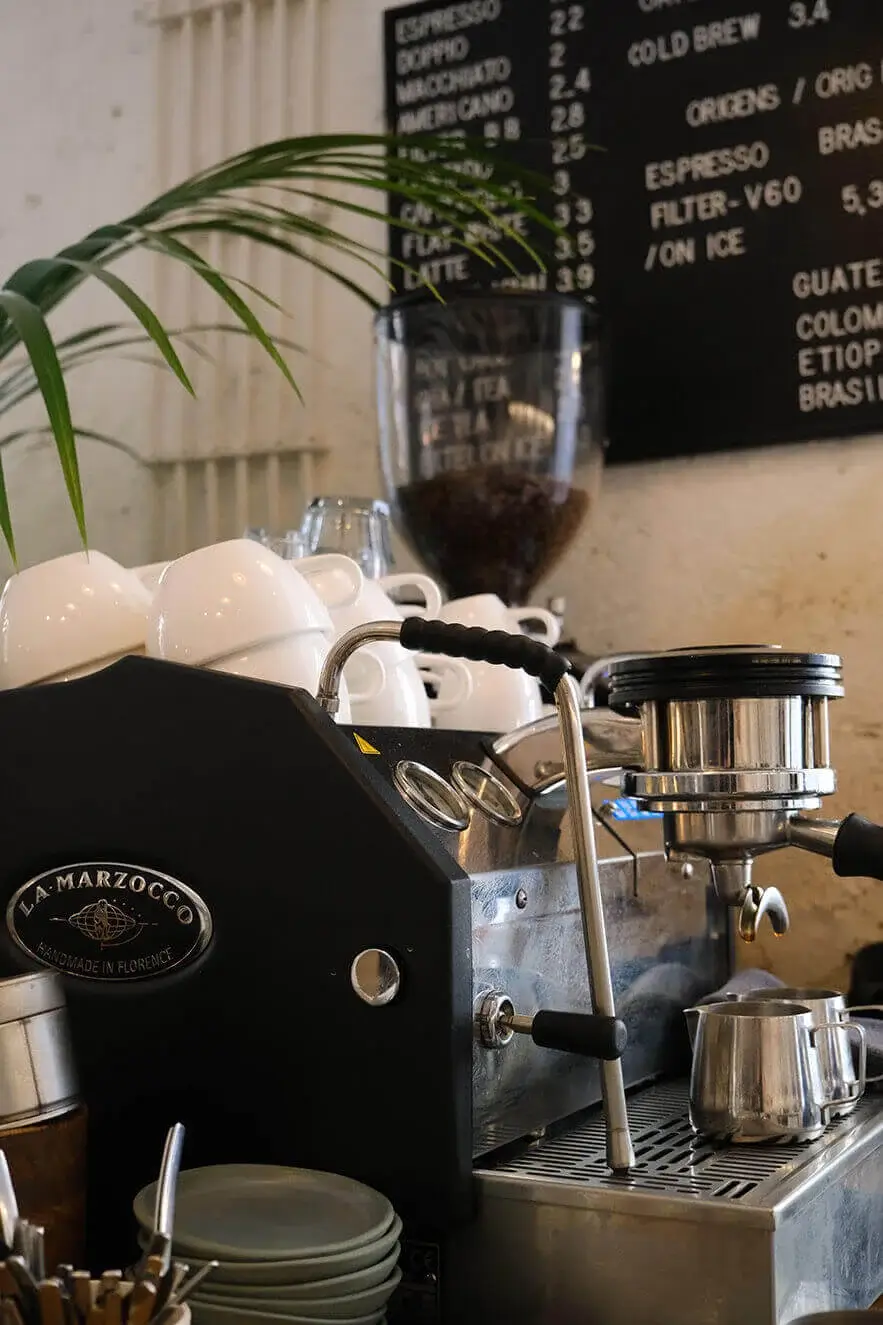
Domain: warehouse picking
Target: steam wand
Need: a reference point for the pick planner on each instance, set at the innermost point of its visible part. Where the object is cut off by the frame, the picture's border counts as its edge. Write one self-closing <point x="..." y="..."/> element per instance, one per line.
<point x="522" y="653"/>
<point x="620" y="1153"/>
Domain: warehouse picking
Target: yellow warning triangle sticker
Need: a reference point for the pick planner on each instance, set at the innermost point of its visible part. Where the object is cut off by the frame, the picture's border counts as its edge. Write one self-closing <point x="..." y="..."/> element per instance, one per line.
<point x="364" y="745"/>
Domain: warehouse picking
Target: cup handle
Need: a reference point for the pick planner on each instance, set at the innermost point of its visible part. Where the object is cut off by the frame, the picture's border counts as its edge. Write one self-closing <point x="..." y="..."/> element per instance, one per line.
<point x="310" y="566"/>
<point x="868" y="1007"/>
<point x="551" y="632"/>
<point x="423" y="584"/>
<point x="432" y="666"/>
<point x="848" y="1026"/>
<point x="377" y="684"/>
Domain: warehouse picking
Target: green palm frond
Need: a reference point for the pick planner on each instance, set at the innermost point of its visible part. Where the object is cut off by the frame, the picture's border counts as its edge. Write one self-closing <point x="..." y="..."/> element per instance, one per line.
<point x="222" y="200"/>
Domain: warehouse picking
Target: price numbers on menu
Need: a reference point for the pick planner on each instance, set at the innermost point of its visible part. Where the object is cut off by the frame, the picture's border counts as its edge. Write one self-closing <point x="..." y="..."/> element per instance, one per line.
<point x="570" y="84"/>
<point x="859" y="200"/>
<point x="807" y="13"/>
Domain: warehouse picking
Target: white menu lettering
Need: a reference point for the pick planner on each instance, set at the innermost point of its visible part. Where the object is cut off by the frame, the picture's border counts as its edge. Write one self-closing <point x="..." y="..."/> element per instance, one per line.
<point x="730" y="227"/>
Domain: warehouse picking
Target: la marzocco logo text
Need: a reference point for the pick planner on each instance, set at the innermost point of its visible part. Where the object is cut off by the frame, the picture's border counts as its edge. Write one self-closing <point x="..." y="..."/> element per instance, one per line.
<point x="108" y="921"/>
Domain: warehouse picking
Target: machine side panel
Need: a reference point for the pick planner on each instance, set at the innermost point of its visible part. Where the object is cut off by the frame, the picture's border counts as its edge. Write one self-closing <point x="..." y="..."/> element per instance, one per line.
<point x="669" y="945"/>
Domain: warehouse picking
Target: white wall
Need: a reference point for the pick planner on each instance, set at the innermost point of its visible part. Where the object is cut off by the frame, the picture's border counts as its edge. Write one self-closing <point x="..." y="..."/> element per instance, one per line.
<point x="77" y="153"/>
<point x="779" y="546"/>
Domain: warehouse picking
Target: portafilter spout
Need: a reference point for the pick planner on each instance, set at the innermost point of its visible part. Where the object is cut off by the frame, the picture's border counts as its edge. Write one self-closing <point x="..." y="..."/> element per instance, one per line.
<point x="520" y="652"/>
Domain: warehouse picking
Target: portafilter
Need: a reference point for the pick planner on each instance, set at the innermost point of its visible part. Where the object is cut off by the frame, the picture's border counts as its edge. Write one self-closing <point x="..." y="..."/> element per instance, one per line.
<point x="731" y="746"/>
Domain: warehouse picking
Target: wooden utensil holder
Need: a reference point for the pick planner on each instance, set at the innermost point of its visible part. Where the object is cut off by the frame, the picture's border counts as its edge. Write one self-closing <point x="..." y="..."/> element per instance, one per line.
<point x="48" y="1166"/>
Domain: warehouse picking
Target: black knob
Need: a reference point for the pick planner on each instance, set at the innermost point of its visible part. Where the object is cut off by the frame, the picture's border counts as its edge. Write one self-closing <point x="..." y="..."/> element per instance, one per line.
<point x="583" y="1033"/>
<point x="858" y="849"/>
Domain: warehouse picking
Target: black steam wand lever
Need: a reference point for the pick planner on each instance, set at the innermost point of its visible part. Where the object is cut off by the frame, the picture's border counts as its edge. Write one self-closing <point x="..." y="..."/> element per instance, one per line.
<point x="520" y="652"/>
<point x="854" y="844"/>
<point x="584" y="1033"/>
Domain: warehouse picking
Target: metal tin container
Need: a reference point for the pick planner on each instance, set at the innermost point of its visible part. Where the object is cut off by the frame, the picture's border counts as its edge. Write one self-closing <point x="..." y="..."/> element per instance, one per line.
<point x="37" y="1075"/>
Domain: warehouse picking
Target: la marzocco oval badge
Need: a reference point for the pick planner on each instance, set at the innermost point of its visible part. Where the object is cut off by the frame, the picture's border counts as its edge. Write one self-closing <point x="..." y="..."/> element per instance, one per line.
<point x="102" y="920"/>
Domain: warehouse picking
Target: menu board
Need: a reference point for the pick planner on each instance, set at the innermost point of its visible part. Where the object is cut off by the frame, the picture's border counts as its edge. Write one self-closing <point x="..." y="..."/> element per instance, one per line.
<point x="731" y="226"/>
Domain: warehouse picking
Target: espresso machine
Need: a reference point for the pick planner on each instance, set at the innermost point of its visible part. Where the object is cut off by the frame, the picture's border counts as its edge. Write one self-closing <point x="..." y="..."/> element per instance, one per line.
<point x="472" y="998"/>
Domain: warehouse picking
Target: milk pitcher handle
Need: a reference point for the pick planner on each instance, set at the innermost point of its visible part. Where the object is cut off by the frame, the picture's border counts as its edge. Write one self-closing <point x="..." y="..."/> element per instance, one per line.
<point x="848" y="1026"/>
<point x="869" y="1007"/>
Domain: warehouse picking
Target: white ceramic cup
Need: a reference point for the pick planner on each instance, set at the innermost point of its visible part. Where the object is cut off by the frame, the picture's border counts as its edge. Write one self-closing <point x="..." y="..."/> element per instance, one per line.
<point x="151" y="575"/>
<point x="74" y="612"/>
<point x="372" y="604"/>
<point x="337" y="579"/>
<point x="432" y="594"/>
<point x="230" y="597"/>
<point x="403" y="701"/>
<point x="375" y="604"/>
<point x="491" y="613"/>
<point x="452" y="679"/>
<point x="296" y="662"/>
<point x="500" y="700"/>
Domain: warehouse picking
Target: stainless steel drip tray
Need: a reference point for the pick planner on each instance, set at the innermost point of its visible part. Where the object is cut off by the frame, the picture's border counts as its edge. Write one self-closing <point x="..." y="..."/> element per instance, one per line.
<point x="672" y="1163"/>
<point x="696" y="1234"/>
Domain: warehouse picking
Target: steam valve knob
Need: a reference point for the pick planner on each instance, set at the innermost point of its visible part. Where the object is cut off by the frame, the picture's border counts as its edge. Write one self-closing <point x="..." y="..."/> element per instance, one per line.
<point x="584" y="1033"/>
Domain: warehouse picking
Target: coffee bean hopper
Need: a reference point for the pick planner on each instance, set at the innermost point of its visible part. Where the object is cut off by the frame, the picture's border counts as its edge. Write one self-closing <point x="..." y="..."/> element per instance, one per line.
<point x="368" y="952"/>
<point x="492" y="434"/>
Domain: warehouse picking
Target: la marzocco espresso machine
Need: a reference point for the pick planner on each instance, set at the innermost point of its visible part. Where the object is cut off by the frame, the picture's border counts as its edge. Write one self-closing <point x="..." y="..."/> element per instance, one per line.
<point x="370" y="955"/>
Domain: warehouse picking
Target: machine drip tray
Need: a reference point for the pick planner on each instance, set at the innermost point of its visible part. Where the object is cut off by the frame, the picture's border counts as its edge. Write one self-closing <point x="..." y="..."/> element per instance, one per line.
<point x="695" y="1234"/>
<point x="670" y="1159"/>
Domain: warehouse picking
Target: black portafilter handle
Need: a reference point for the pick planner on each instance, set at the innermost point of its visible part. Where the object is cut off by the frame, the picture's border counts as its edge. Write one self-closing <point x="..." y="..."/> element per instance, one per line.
<point x="491" y="646"/>
<point x="858" y="849"/>
<point x="584" y="1033"/>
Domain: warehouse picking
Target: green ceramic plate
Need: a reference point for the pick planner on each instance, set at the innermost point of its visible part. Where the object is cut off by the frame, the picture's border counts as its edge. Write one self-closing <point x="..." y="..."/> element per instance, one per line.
<point x="263" y="1212"/>
<point x="203" y="1314"/>
<point x="327" y="1308"/>
<point x="301" y="1271"/>
<point x="340" y="1286"/>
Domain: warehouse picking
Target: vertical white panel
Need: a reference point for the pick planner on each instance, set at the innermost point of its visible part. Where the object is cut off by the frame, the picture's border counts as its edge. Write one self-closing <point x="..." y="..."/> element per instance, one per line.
<point x="231" y="76"/>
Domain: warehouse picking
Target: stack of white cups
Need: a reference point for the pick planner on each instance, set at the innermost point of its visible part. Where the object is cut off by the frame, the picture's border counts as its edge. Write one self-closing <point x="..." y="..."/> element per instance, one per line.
<point x="500" y="698"/>
<point x="386" y="680"/>
<point x="237" y="607"/>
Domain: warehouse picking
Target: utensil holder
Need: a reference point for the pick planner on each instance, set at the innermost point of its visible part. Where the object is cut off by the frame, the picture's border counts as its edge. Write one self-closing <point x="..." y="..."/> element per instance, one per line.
<point x="47" y="1161"/>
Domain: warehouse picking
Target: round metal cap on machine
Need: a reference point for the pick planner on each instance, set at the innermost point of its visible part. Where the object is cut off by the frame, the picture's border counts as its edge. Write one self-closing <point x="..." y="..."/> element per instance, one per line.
<point x="729" y="672"/>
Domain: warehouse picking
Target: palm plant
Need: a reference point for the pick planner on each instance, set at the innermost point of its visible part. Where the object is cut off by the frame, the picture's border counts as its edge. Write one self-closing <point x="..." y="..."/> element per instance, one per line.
<point x="263" y="195"/>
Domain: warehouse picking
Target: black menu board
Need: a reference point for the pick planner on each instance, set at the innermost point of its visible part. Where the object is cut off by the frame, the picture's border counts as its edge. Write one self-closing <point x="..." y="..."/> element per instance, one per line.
<point x="731" y="230"/>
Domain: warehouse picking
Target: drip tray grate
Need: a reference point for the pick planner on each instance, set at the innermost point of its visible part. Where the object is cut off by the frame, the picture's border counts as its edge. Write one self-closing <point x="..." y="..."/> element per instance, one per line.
<point x="669" y="1158"/>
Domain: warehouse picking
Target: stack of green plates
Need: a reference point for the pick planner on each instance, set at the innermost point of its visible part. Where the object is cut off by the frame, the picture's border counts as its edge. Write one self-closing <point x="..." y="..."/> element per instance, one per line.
<point x="294" y="1245"/>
